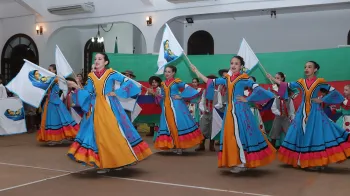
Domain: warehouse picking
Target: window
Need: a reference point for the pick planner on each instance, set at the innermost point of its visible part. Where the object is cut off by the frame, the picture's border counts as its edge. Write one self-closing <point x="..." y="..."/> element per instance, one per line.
<point x="17" y="48"/>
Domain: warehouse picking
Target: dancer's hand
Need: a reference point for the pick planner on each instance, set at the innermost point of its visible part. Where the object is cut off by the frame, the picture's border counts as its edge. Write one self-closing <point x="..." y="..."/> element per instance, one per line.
<point x="242" y="99"/>
<point x="269" y="76"/>
<point x="193" y="68"/>
<point x="150" y="91"/>
<point x="317" y="100"/>
<point x="112" y="94"/>
<point x="177" y="97"/>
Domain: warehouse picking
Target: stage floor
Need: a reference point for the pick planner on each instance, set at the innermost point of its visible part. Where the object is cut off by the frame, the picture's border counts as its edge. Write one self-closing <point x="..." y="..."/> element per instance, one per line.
<point x="30" y="169"/>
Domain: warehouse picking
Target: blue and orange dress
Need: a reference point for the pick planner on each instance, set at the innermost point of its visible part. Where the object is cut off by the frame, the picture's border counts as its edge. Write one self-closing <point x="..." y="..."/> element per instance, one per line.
<point x="178" y="129"/>
<point x="314" y="140"/>
<point x="107" y="139"/>
<point x="242" y="142"/>
<point x="57" y="123"/>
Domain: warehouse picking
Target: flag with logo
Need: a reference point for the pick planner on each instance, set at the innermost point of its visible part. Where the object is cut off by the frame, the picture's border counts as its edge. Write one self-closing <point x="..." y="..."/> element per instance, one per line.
<point x="170" y="51"/>
<point x="12" y="116"/>
<point x="31" y="83"/>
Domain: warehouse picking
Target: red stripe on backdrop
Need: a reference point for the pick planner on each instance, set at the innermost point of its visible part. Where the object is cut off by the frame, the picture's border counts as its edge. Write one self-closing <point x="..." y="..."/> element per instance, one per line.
<point x="150" y="109"/>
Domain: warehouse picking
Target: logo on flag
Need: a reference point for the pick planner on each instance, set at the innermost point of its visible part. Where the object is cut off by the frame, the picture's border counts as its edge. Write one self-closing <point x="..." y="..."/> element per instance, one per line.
<point x="12" y="116"/>
<point x="38" y="80"/>
<point x="170" y="50"/>
<point x="31" y="83"/>
<point x="15" y="115"/>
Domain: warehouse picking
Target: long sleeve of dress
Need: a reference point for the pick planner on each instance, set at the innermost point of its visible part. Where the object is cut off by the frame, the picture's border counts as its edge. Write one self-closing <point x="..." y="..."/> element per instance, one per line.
<point x="258" y="94"/>
<point x="84" y="97"/>
<point x="333" y="96"/>
<point x="127" y="87"/>
<point x="283" y="89"/>
<point x="188" y="93"/>
<point x="211" y="84"/>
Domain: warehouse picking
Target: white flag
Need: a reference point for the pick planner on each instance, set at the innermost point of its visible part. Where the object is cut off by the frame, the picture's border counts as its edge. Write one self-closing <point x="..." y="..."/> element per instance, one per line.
<point x="63" y="70"/>
<point x="62" y="65"/>
<point x="12" y="116"/>
<point x="216" y="123"/>
<point x="135" y="113"/>
<point x="128" y="103"/>
<point x="31" y="83"/>
<point x="250" y="59"/>
<point x="170" y="50"/>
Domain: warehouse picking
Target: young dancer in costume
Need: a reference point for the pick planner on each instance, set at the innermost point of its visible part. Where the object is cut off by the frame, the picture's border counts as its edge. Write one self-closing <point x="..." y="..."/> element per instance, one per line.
<point x="344" y="120"/>
<point x="155" y="83"/>
<point x="177" y="129"/>
<point x="57" y="124"/>
<point x="313" y="140"/>
<point x="74" y="110"/>
<point x="283" y="109"/>
<point x="242" y="143"/>
<point x="194" y="103"/>
<point x="206" y="107"/>
<point x="255" y="107"/>
<point x="107" y="139"/>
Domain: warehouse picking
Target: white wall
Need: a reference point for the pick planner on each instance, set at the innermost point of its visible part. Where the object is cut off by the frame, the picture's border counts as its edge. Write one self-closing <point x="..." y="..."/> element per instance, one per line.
<point x="124" y="32"/>
<point x="289" y="32"/>
<point x="69" y="41"/>
<point x="139" y="41"/>
<point x="24" y="25"/>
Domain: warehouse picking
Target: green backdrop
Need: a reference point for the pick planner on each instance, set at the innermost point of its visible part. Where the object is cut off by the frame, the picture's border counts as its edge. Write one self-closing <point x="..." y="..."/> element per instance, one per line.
<point x="335" y="64"/>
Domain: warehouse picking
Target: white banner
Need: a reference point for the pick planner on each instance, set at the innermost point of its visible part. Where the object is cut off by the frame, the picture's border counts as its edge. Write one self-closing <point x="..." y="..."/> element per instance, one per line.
<point x="31" y="83"/>
<point x="62" y="65"/>
<point x="63" y="70"/>
<point x="216" y="123"/>
<point x="12" y="117"/>
<point x="170" y="50"/>
<point x="250" y="59"/>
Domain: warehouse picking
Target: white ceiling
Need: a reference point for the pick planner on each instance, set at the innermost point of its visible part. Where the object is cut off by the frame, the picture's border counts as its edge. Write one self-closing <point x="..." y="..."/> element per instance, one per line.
<point x="280" y="11"/>
<point x="6" y="1"/>
<point x="10" y="8"/>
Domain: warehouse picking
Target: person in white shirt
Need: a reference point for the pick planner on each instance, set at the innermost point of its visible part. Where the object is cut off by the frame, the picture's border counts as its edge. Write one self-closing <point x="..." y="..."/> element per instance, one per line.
<point x="3" y="92"/>
<point x="283" y="110"/>
<point x="206" y="108"/>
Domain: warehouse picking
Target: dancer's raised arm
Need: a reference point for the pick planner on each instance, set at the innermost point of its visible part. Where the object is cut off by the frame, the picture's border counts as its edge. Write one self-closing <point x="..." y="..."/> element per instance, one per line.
<point x="199" y="74"/>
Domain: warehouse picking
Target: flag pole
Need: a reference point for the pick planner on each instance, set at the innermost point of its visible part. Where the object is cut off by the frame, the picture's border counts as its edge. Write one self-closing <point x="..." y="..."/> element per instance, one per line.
<point x="188" y="60"/>
<point x="264" y="70"/>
